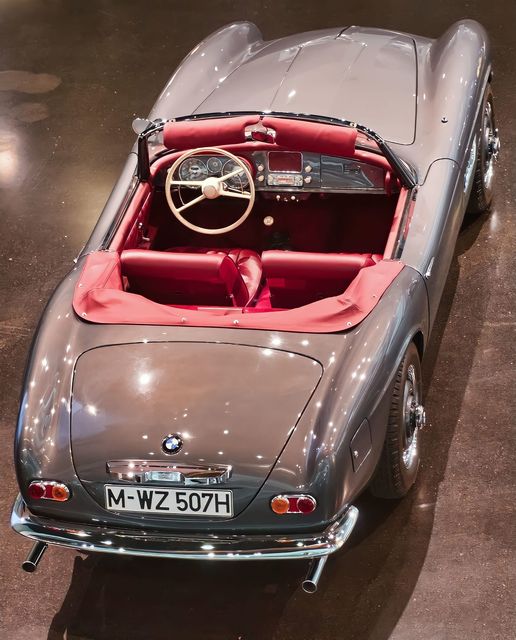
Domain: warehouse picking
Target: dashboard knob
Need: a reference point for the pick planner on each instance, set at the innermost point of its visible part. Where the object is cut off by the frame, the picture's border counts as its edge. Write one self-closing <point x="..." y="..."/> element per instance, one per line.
<point x="308" y="179"/>
<point x="260" y="178"/>
<point x="260" y="167"/>
<point x="308" y="168"/>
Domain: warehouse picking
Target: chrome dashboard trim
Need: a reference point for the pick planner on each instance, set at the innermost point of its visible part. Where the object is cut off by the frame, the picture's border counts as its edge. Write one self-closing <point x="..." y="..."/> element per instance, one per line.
<point x="152" y="543"/>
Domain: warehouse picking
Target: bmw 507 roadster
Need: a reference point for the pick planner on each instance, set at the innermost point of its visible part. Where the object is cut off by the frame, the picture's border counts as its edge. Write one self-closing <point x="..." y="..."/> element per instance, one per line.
<point x="236" y="354"/>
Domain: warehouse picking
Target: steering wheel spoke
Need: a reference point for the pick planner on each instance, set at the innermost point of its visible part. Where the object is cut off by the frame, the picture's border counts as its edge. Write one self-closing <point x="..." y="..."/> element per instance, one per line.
<point x="232" y="174"/>
<point x="245" y="195"/>
<point x="192" y="202"/>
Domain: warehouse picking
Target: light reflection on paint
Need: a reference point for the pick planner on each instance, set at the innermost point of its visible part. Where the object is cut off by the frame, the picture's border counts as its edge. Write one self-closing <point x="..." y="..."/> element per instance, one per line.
<point x="9" y="160"/>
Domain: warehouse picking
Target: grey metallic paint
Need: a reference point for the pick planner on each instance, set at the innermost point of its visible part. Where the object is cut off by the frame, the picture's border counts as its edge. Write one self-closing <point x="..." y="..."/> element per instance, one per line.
<point x="358" y="365"/>
<point x="45" y="416"/>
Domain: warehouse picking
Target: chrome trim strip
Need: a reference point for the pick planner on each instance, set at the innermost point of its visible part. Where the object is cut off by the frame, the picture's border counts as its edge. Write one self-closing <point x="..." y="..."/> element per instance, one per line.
<point x="134" y="542"/>
<point x="428" y="271"/>
<point x="150" y="471"/>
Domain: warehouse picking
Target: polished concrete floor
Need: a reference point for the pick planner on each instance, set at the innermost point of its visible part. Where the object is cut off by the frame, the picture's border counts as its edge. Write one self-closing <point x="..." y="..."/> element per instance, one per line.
<point x="435" y="566"/>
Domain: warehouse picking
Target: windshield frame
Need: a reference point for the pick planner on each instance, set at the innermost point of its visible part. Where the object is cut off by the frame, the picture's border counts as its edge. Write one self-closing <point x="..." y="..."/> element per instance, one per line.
<point x="404" y="172"/>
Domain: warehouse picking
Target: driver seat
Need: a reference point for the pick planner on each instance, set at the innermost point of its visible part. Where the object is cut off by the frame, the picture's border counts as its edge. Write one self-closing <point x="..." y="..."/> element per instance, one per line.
<point x="184" y="278"/>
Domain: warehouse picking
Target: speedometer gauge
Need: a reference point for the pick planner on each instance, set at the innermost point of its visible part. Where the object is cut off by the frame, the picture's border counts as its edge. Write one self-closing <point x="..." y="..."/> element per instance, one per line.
<point x="193" y="169"/>
<point x="239" y="181"/>
<point x="214" y="164"/>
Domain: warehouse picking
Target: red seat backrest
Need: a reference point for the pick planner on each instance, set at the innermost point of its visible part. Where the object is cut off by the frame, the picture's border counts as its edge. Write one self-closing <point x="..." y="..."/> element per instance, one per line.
<point x="184" y="278"/>
<point x="297" y="278"/>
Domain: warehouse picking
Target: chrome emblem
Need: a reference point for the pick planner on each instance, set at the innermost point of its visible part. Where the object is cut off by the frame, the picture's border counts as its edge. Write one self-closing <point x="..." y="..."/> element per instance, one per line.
<point x="172" y="444"/>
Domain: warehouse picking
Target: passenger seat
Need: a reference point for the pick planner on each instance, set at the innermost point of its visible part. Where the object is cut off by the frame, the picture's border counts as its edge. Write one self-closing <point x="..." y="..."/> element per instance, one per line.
<point x="296" y="278"/>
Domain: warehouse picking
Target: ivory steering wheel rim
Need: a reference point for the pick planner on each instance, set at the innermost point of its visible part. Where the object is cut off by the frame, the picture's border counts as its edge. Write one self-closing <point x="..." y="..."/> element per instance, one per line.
<point x="211" y="188"/>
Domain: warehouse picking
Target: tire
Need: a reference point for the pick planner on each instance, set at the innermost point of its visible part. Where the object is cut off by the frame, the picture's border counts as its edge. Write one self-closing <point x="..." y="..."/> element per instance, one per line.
<point x="399" y="461"/>
<point x="488" y="145"/>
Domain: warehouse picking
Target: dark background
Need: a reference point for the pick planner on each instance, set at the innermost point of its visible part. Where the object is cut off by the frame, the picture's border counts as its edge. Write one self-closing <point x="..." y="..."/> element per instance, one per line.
<point x="434" y="566"/>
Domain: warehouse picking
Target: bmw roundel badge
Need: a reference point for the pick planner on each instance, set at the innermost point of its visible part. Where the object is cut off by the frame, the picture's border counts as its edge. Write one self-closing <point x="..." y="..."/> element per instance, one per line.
<point x="172" y="444"/>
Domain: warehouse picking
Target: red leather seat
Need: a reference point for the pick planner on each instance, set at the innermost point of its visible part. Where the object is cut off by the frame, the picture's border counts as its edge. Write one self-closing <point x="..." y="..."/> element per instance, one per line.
<point x="184" y="278"/>
<point x="247" y="262"/>
<point x="296" y="278"/>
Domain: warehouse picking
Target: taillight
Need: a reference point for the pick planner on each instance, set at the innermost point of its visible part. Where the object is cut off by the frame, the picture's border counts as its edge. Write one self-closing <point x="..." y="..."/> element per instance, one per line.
<point x="48" y="490"/>
<point x="293" y="504"/>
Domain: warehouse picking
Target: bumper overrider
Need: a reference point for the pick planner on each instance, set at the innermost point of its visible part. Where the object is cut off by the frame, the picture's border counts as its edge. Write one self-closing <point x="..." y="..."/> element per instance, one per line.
<point x="88" y="538"/>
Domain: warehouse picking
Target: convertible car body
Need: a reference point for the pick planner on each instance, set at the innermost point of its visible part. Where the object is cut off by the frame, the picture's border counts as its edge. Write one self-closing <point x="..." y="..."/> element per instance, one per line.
<point x="235" y="355"/>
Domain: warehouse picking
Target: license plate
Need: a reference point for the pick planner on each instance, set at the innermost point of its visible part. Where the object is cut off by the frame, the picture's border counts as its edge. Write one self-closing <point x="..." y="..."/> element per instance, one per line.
<point x="162" y="500"/>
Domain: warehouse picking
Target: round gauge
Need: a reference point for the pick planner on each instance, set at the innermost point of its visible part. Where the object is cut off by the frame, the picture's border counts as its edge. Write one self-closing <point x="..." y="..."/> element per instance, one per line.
<point x="193" y="169"/>
<point x="238" y="181"/>
<point x="214" y="164"/>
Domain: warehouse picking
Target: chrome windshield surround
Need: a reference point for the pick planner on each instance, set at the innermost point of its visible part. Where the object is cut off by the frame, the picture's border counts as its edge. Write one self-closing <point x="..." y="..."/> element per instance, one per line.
<point x="132" y="542"/>
<point x="150" y="471"/>
<point x="403" y="171"/>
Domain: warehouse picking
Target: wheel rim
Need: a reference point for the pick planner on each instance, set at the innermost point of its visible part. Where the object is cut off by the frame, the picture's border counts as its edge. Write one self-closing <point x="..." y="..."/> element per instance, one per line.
<point x="490" y="147"/>
<point x="413" y="418"/>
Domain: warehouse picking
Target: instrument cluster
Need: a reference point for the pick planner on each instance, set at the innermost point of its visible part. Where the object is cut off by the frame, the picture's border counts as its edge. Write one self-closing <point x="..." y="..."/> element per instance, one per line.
<point x="291" y="171"/>
<point x="202" y="167"/>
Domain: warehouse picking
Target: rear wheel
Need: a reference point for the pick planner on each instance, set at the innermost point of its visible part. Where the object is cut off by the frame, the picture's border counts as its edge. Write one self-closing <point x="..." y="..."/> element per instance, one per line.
<point x="399" y="462"/>
<point x="482" y="190"/>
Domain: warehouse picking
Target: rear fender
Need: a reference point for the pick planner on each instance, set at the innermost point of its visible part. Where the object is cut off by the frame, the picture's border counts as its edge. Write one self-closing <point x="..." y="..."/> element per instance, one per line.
<point x="357" y="386"/>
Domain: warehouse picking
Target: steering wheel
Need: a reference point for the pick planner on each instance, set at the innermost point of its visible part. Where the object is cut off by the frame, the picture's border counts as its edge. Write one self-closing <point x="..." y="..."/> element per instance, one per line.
<point x="211" y="188"/>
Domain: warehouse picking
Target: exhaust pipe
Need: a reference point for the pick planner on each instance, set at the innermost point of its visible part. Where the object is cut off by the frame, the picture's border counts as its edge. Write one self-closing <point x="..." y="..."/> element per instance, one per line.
<point x="35" y="554"/>
<point x="314" y="573"/>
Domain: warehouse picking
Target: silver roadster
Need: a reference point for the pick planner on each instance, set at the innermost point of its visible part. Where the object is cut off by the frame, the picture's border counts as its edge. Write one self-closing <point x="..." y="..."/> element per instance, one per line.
<point x="236" y="354"/>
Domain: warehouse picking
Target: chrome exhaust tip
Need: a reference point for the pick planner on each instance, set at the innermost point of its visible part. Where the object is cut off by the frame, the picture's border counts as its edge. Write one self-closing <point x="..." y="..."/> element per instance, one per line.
<point x="30" y="564"/>
<point x="315" y="570"/>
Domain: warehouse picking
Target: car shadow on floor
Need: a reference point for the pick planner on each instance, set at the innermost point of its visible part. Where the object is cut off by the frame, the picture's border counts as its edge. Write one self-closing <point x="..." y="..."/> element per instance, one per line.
<point x="365" y="587"/>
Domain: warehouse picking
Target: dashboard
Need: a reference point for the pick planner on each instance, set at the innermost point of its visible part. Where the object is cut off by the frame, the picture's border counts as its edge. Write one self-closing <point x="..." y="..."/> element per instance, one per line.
<point x="291" y="171"/>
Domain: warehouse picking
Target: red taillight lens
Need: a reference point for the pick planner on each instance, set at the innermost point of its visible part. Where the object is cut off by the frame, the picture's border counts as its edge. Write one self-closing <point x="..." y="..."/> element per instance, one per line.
<point x="293" y="504"/>
<point x="306" y="504"/>
<point x="36" y="490"/>
<point x="48" y="490"/>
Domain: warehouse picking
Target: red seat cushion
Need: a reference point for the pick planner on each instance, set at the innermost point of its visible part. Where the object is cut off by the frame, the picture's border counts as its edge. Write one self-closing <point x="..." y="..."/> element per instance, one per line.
<point x="184" y="278"/>
<point x="247" y="262"/>
<point x="297" y="278"/>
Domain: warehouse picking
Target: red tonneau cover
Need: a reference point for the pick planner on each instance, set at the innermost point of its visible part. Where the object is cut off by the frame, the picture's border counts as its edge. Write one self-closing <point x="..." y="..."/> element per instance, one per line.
<point x="99" y="297"/>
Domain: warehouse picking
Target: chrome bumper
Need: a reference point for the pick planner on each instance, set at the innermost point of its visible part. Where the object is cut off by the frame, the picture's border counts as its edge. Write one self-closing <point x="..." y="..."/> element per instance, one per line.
<point x="196" y="547"/>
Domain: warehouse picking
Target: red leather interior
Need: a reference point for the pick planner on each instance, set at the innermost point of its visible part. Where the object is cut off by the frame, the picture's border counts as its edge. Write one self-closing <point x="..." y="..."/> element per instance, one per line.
<point x="184" y="278"/>
<point x="99" y="297"/>
<point x="247" y="262"/>
<point x="191" y="134"/>
<point x="296" y="278"/>
<point x="300" y="135"/>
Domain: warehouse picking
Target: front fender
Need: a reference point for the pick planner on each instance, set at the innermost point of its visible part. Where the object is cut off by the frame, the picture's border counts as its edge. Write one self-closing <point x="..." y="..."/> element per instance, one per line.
<point x="203" y="68"/>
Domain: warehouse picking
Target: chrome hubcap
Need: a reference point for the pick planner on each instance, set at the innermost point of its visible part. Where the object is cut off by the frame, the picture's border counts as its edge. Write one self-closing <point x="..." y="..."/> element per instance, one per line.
<point x="491" y="145"/>
<point x="414" y="418"/>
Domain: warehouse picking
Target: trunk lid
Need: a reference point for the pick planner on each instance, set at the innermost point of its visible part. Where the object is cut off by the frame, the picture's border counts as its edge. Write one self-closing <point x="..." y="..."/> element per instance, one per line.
<point x="231" y="405"/>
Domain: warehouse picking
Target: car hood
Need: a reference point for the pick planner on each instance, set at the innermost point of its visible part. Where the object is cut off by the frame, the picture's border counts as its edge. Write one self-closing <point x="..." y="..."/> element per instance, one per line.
<point x="231" y="404"/>
<point x="358" y="74"/>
